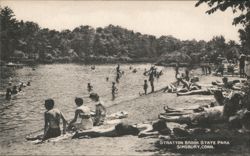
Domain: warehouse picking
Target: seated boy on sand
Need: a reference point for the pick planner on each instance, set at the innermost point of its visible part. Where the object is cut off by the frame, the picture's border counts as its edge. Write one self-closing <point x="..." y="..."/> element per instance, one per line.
<point x="52" y="121"/>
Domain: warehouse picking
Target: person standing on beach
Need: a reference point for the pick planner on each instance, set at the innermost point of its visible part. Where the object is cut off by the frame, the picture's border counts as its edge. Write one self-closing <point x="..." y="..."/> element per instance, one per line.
<point x="145" y="86"/>
<point x="242" y="59"/>
<point x="114" y="90"/>
<point x="207" y="65"/>
<point x="151" y="78"/>
<point x="118" y="73"/>
<point x="52" y="120"/>
<point x="176" y="69"/>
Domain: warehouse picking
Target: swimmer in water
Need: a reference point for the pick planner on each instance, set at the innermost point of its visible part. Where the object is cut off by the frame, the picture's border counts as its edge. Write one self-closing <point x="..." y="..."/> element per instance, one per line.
<point x="14" y="90"/>
<point x="90" y="87"/>
<point x="8" y="92"/>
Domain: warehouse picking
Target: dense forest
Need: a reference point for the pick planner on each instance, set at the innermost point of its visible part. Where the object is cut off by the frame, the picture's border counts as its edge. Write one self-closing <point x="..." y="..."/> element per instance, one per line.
<point x="27" y="41"/>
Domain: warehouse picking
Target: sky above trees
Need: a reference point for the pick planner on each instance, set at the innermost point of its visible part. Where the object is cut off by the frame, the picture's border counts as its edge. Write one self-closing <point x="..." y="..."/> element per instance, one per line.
<point x="180" y="19"/>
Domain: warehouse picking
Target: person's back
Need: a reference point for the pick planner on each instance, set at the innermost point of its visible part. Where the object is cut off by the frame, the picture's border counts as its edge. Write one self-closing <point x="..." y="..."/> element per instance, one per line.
<point x="52" y="120"/>
<point x="84" y="115"/>
<point x="54" y="116"/>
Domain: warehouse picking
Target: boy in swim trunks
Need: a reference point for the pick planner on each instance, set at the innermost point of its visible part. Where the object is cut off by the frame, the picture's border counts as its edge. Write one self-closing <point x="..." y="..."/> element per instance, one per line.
<point x="52" y="121"/>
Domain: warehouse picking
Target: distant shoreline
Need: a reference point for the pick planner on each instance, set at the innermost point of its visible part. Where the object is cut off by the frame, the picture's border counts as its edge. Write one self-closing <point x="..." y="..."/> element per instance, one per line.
<point x="96" y="62"/>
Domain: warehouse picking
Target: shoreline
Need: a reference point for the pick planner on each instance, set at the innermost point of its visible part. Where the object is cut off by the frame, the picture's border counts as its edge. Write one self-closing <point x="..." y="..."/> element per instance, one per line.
<point x="140" y="110"/>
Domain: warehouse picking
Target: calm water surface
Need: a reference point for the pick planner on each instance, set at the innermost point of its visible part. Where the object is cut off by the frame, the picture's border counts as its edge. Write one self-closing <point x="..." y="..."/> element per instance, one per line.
<point x="63" y="82"/>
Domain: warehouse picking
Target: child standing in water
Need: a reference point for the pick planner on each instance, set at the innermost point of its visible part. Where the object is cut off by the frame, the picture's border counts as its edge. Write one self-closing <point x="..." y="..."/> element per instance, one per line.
<point x="114" y="90"/>
<point x="145" y="86"/>
<point x="8" y="92"/>
<point x="90" y="87"/>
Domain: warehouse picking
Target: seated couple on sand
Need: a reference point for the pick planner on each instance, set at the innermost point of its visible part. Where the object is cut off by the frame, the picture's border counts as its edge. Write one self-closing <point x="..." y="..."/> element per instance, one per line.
<point x="188" y="86"/>
<point x="52" y="117"/>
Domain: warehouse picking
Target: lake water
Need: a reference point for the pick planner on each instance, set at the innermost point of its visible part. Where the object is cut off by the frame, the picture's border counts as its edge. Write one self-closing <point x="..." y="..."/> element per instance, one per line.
<point x="63" y="82"/>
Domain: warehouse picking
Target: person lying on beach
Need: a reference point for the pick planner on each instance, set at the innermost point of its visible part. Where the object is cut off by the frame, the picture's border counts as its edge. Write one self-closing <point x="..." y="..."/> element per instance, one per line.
<point x="82" y="113"/>
<point x="171" y="88"/>
<point x="227" y="84"/>
<point x="100" y="110"/>
<point x="196" y="91"/>
<point x="219" y="101"/>
<point x="216" y="114"/>
<point x="121" y="129"/>
<point x="188" y="86"/>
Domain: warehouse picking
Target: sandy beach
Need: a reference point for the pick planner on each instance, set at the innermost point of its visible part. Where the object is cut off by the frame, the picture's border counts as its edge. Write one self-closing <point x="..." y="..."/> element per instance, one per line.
<point x="141" y="109"/>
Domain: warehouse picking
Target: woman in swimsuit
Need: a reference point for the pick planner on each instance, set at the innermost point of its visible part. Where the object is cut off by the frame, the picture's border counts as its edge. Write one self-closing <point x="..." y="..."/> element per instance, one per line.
<point x="100" y="110"/>
<point x="142" y="130"/>
<point x="82" y="113"/>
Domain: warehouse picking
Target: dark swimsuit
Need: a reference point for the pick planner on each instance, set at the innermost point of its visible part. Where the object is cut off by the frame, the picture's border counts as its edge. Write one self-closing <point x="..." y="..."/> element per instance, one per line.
<point x="52" y="133"/>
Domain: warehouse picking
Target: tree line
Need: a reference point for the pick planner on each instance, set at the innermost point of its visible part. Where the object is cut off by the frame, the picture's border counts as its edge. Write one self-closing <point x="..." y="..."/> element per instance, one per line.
<point x="26" y="40"/>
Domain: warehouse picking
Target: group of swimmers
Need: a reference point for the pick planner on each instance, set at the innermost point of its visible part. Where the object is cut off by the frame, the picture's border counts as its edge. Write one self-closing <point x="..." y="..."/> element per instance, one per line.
<point x="13" y="90"/>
